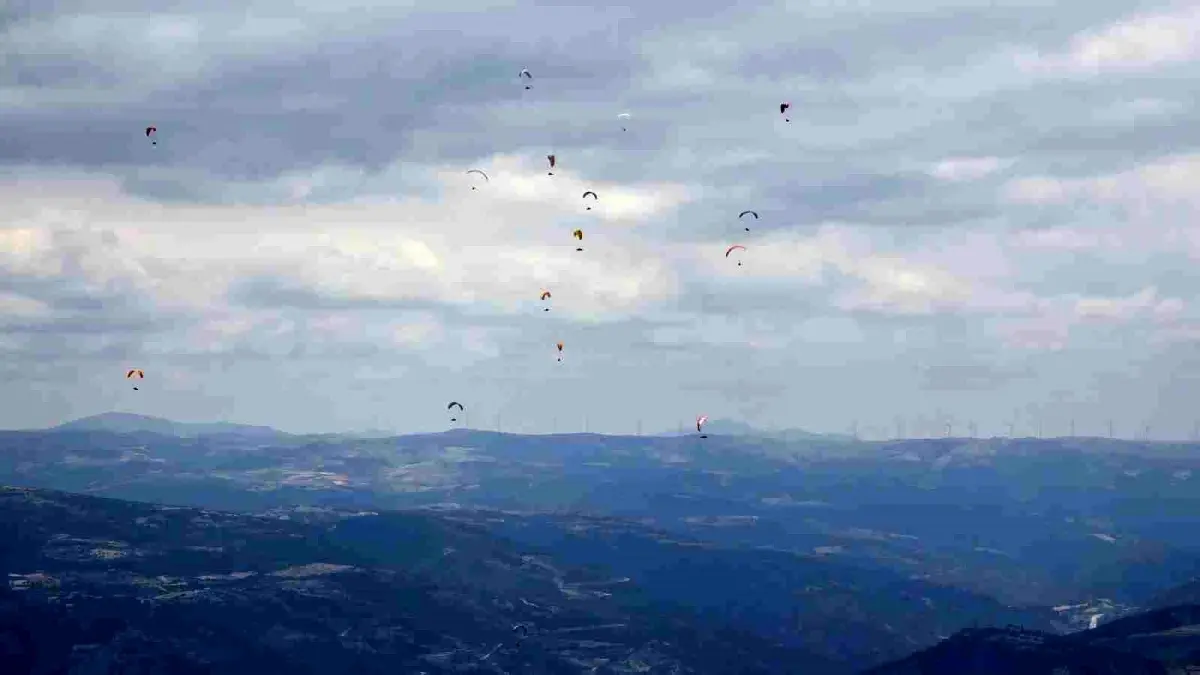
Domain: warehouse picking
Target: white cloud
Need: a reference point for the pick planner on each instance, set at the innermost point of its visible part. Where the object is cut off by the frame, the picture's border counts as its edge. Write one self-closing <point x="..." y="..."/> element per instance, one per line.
<point x="14" y="306"/>
<point x="305" y="235"/>
<point x="1135" y="44"/>
<point x="1155" y="206"/>
<point x="483" y="252"/>
<point x="1068" y="239"/>
<point x="1144" y="302"/>
<point x="892" y="284"/>
<point x="512" y="178"/>
<point x="958" y="169"/>
<point x="1040" y="334"/>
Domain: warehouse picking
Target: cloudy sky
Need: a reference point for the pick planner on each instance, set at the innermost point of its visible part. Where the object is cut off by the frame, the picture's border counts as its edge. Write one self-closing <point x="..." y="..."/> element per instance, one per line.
<point x="976" y="213"/>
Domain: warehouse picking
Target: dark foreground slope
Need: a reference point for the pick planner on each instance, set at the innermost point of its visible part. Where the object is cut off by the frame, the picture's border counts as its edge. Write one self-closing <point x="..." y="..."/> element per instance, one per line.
<point x="104" y="586"/>
<point x="855" y="615"/>
<point x="1161" y="642"/>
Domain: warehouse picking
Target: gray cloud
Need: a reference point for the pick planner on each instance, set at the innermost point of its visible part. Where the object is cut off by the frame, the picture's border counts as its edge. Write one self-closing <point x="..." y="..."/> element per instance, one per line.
<point x="373" y="100"/>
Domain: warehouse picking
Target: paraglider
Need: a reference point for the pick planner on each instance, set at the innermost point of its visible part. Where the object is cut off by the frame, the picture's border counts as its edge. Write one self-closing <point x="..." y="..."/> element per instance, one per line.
<point x="150" y="133"/>
<point x="135" y="373"/>
<point x="546" y="294"/>
<point x="594" y="197"/>
<point x="743" y="215"/>
<point x="451" y="407"/>
<point x="528" y="78"/>
<point x="731" y="249"/>
<point x="623" y="116"/>
<point x="578" y="234"/>
<point x="552" y="161"/>
<point x="560" y="347"/>
<point x="481" y="173"/>
<point x="783" y="110"/>
<point x="700" y="424"/>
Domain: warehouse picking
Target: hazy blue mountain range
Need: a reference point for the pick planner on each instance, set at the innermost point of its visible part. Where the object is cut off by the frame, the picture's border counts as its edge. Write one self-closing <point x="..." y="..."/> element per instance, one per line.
<point x="853" y="552"/>
<point x="130" y="423"/>
<point x="118" y="422"/>
<point x="726" y="427"/>
<point x="1054" y="521"/>
<point x="120" y="586"/>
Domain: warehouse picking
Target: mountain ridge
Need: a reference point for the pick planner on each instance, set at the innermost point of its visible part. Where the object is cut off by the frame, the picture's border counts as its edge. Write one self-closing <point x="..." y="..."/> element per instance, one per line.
<point x="126" y="422"/>
<point x="123" y="422"/>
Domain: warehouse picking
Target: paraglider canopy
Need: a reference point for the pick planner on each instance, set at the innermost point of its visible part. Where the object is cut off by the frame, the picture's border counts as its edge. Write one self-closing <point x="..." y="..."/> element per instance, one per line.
<point x="744" y="213"/>
<point x="528" y="77"/>
<point x="553" y="160"/>
<point x="546" y="294"/>
<point x="700" y="424"/>
<point x="151" y="131"/>
<point x="481" y="173"/>
<point x="623" y="116"/>
<point x="135" y="374"/>
<point x="783" y="107"/>
<point x="578" y="234"/>
<point x="594" y="197"/>
<point x="560" y="348"/>
<point x="731" y="249"/>
<point x="454" y="404"/>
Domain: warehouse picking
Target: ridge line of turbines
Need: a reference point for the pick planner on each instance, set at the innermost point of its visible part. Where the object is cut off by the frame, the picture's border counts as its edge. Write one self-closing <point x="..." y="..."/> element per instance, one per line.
<point x="1011" y="427"/>
<point x="902" y="432"/>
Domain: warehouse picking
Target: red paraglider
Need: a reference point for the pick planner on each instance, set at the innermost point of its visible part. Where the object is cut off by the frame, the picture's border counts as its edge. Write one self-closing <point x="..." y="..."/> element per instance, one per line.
<point x="733" y="248"/>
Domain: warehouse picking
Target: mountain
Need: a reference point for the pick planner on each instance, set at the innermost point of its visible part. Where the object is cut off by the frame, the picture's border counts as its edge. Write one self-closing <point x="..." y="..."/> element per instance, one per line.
<point x="1184" y="594"/>
<point x="1161" y="642"/>
<point x="1049" y="522"/>
<point x="125" y="423"/>
<point x="724" y="427"/>
<point x="840" y="618"/>
<point x="847" y="614"/>
<point x="893" y="545"/>
<point x="100" y="585"/>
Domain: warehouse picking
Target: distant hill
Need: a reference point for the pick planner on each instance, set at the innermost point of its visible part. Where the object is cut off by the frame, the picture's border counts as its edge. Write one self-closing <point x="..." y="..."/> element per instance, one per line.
<point x="126" y="423"/>
<point x="1185" y="594"/>
<point x="725" y="427"/>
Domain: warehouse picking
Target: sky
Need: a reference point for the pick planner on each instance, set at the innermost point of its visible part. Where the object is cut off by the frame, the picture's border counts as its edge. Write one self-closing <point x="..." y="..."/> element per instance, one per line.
<point x="979" y="213"/>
